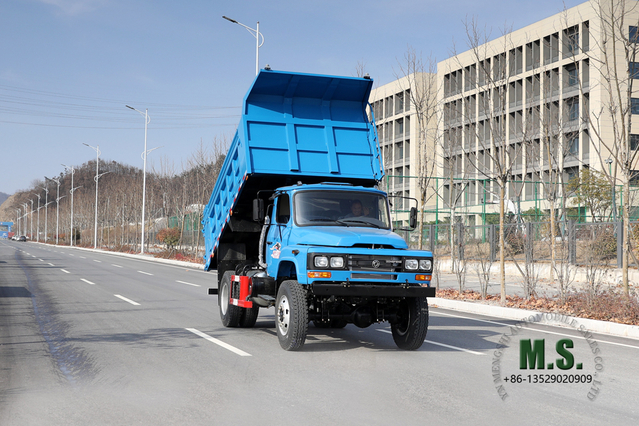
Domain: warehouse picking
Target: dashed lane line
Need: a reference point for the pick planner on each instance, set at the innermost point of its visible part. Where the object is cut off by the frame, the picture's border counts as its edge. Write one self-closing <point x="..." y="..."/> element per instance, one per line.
<point x="184" y="282"/>
<point x="127" y="300"/>
<point x="218" y="342"/>
<point x="145" y="273"/>
<point x="87" y="281"/>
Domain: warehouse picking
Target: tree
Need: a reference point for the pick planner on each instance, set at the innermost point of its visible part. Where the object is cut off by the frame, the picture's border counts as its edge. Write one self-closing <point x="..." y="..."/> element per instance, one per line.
<point x="418" y="80"/>
<point x="613" y="56"/>
<point x="592" y="188"/>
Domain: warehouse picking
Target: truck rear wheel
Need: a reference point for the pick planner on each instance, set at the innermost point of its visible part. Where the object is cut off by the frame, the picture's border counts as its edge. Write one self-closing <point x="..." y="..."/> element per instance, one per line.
<point x="409" y="333"/>
<point x="230" y="314"/>
<point x="291" y="315"/>
<point x="249" y="316"/>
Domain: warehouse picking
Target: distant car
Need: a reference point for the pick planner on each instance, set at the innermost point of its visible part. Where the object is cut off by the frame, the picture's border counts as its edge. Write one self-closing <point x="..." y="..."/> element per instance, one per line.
<point x="22" y="238"/>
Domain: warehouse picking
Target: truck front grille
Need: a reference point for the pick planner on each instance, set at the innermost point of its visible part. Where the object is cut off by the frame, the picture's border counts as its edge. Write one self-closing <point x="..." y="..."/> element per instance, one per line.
<point x="358" y="262"/>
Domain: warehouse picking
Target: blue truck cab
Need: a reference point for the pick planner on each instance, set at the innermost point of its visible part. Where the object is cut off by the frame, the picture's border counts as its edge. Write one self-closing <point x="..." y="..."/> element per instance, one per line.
<point x="296" y="220"/>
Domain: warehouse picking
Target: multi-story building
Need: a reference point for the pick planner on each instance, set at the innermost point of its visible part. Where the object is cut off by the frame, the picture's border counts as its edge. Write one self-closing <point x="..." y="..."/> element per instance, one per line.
<point x="533" y="106"/>
<point x="402" y="141"/>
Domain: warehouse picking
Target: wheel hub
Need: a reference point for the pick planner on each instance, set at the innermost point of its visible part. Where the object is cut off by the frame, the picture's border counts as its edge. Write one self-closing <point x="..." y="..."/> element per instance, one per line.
<point x="283" y="316"/>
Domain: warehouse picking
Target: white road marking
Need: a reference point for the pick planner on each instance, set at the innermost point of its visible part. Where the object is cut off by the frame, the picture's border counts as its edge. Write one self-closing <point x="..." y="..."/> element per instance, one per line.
<point x="65" y="271"/>
<point x="41" y="260"/>
<point x="71" y="254"/>
<point x="442" y="344"/>
<point x="117" y="266"/>
<point x="184" y="282"/>
<point x="218" y="342"/>
<point x="82" y="257"/>
<point x="145" y="273"/>
<point x="540" y="331"/>
<point x="87" y="281"/>
<point x="127" y="300"/>
<point x="51" y="264"/>
<point x="32" y="256"/>
<point x="96" y="260"/>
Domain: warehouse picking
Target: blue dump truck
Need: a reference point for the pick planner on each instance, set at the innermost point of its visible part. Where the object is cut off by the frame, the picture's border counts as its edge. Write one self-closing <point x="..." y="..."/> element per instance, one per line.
<point x="295" y="220"/>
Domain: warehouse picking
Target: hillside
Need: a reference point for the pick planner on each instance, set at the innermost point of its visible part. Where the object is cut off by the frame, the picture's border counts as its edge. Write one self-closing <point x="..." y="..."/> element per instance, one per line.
<point x="7" y="212"/>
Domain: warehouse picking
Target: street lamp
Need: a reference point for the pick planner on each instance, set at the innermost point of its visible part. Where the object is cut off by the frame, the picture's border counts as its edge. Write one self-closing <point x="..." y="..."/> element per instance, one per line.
<point x="31" y="228"/>
<point x="96" y="178"/>
<point x="18" y="220"/>
<point x="25" y="221"/>
<point x="38" y="227"/>
<point x="71" y="192"/>
<point x="57" y="209"/>
<point x="614" y="201"/>
<point x="256" y="33"/>
<point x="147" y="120"/>
<point x="46" y="212"/>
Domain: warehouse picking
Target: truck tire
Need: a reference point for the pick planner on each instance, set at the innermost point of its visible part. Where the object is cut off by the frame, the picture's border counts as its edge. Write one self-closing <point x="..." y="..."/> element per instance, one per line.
<point x="291" y="315"/>
<point x="229" y="314"/>
<point x="409" y="333"/>
<point x="249" y="316"/>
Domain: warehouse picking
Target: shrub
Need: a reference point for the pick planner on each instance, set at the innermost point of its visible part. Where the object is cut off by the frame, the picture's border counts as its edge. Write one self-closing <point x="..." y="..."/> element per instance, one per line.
<point x="169" y="236"/>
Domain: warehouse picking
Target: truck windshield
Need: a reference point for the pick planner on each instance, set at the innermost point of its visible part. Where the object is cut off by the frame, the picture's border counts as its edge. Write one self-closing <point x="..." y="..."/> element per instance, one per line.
<point x="341" y="208"/>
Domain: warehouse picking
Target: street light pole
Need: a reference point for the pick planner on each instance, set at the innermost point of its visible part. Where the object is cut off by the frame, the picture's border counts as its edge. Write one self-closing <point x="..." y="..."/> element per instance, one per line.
<point x="96" y="178"/>
<point x="17" y="221"/>
<point x="57" y="209"/>
<point x="38" y="227"/>
<point x="46" y="212"/>
<point x="31" y="228"/>
<point x="147" y="120"/>
<point x="25" y="221"/>
<point x="614" y="201"/>
<point x="71" y="192"/>
<point x="255" y="32"/>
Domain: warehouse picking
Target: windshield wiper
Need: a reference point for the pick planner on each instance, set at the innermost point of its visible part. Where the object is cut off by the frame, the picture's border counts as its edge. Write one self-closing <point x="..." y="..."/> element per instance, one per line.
<point x="351" y="220"/>
<point x="327" y="221"/>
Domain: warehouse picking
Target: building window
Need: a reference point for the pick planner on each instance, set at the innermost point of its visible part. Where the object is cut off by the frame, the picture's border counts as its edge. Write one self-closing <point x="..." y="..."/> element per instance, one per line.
<point x="572" y="74"/>
<point x="633" y="34"/>
<point x="634" y="142"/>
<point x="634" y="70"/>
<point x="634" y="105"/>
<point x="573" y="144"/>
<point x="572" y="107"/>
<point x="571" y="41"/>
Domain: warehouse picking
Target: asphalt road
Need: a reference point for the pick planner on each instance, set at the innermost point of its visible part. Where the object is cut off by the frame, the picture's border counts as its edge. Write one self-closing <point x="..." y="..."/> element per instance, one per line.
<point x="89" y="338"/>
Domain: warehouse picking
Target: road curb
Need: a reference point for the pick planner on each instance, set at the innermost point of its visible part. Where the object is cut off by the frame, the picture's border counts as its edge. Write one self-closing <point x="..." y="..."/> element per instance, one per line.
<point x="595" y="326"/>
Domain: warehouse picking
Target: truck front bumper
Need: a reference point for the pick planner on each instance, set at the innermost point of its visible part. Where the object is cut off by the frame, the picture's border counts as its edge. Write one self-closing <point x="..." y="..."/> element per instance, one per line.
<point x="371" y="290"/>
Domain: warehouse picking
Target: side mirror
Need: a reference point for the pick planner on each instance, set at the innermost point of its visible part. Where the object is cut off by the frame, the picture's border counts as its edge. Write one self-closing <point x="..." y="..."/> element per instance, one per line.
<point x="258" y="209"/>
<point x="413" y="218"/>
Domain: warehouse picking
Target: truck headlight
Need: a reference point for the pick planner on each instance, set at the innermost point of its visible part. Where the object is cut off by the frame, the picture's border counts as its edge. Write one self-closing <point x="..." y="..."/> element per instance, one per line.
<point x="337" y="262"/>
<point x="321" y="261"/>
<point x="426" y="264"/>
<point x="411" y="264"/>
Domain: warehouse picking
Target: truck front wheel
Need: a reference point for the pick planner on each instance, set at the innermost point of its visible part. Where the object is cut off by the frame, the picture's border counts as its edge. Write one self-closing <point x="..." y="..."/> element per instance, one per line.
<point x="410" y="331"/>
<point x="291" y="315"/>
<point x="230" y="314"/>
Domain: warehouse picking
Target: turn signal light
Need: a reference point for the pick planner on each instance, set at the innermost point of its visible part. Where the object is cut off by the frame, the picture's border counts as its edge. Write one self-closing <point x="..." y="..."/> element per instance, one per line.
<point x="420" y="277"/>
<point x="318" y="274"/>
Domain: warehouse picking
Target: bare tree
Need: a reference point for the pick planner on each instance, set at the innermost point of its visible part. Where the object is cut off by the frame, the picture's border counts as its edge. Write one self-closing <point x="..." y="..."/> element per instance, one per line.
<point x="417" y="78"/>
<point x="614" y="59"/>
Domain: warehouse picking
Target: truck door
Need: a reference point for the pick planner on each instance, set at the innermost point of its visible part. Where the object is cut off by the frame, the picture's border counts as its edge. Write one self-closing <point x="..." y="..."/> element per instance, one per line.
<point x="278" y="233"/>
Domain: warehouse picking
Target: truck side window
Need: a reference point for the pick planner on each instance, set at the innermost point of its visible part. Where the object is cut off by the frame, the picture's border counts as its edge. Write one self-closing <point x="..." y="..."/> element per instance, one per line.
<point x="283" y="213"/>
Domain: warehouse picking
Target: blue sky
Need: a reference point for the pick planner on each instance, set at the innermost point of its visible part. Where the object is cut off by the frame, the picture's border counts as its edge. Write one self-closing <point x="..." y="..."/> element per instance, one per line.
<point x="68" y="67"/>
